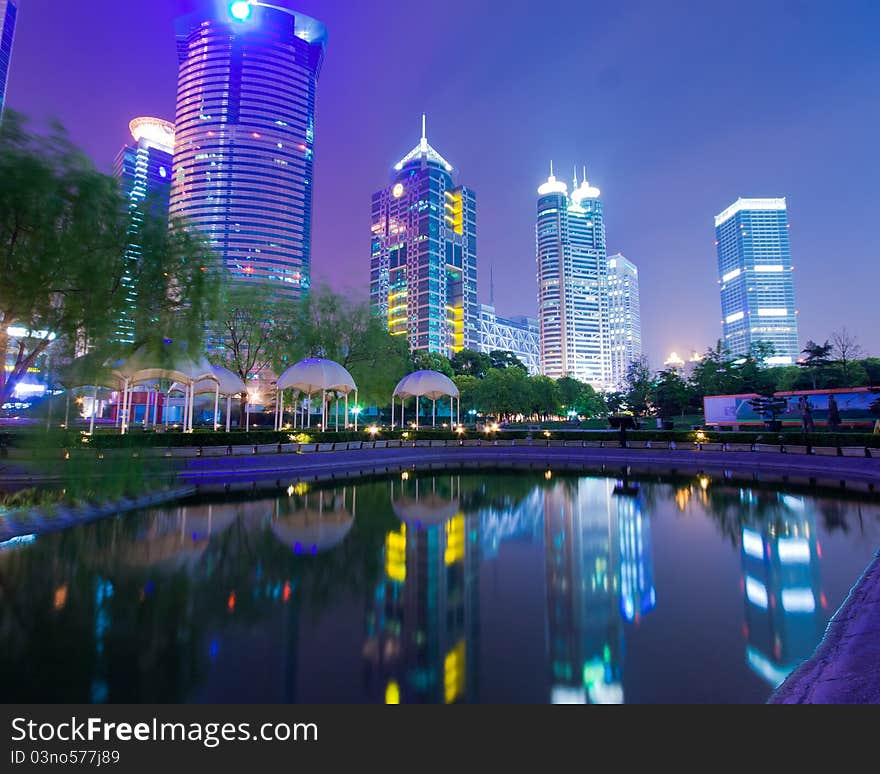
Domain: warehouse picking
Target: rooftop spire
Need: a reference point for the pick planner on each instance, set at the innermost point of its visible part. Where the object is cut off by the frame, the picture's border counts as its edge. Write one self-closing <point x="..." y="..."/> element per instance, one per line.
<point x="423" y="150"/>
<point x="576" y="177"/>
<point x="551" y="167"/>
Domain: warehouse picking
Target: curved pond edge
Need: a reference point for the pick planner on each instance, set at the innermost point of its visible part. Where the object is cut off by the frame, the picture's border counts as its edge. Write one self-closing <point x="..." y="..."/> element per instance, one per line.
<point x="37" y="521"/>
<point x="845" y="667"/>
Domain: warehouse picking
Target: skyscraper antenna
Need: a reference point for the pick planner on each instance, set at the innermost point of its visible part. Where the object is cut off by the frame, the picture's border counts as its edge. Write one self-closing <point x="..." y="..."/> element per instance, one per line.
<point x="424" y="127"/>
<point x="575" y="177"/>
<point x="585" y="173"/>
<point x="551" y="167"/>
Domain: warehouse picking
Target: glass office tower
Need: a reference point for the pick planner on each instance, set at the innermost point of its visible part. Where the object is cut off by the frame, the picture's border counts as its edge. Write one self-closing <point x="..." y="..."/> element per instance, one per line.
<point x="572" y="276"/>
<point x="755" y="274"/>
<point x="624" y="317"/>
<point x="8" y="14"/>
<point x="423" y="266"/>
<point x="144" y="171"/>
<point x="244" y="157"/>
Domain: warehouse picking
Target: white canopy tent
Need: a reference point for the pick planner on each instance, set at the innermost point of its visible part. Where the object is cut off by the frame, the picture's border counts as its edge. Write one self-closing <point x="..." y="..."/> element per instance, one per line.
<point x="226" y="384"/>
<point x="143" y="368"/>
<point x="312" y="376"/>
<point x="427" y="384"/>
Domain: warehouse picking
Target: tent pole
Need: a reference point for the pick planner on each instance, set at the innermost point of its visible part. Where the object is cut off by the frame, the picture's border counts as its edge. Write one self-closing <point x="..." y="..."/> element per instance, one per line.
<point x="337" y="412"/>
<point x="347" y="424"/>
<point x="323" y="410"/>
<point x="355" y="413"/>
<point x="392" y="412"/>
<point x="417" y="412"/>
<point x="94" y="410"/>
<point x="228" y="412"/>
<point x="434" y="413"/>
<point x="217" y="407"/>
<point x="309" y="413"/>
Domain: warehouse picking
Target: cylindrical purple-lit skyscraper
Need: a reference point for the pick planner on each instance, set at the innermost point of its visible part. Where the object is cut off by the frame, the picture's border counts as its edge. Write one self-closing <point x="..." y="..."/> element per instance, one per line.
<point x="243" y="158"/>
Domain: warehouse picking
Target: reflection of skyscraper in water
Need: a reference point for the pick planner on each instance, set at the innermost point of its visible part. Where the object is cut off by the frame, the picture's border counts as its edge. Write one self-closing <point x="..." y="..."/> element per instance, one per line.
<point x="783" y="598"/>
<point x="422" y="623"/>
<point x="584" y="626"/>
<point x="637" y="594"/>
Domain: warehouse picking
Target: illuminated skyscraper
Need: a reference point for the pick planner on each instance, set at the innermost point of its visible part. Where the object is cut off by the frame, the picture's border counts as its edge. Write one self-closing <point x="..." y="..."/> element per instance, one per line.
<point x="8" y="14"/>
<point x="243" y="162"/>
<point x="572" y="275"/>
<point x="755" y="274"/>
<point x="423" y="268"/>
<point x="144" y="171"/>
<point x="624" y="317"/>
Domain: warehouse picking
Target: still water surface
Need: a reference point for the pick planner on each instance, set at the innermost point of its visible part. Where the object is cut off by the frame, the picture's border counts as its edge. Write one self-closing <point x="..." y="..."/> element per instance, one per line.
<point x="489" y="587"/>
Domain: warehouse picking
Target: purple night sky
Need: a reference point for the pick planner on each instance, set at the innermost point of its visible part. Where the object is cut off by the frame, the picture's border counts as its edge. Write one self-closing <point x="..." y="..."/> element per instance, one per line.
<point x="676" y="108"/>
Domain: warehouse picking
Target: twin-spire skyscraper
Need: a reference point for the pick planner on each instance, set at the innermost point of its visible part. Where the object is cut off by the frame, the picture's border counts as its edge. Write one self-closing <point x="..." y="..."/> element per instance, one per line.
<point x="589" y="326"/>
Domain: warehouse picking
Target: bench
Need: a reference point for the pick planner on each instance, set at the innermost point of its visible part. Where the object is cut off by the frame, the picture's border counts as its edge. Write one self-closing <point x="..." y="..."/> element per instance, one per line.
<point x="268" y="448"/>
<point x="436" y="444"/>
<point x="394" y="444"/>
<point x="472" y="442"/>
<point x="289" y="448"/>
<point x="307" y="448"/>
<point x="380" y="445"/>
<point x="326" y="447"/>
<point x="875" y="453"/>
<point x="796" y="449"/>
<point x="658" y="444"/>
<point x="768" y="447"/>
<point x="853" y="451"/>
<point x="556" y="443"/>
<point x="504" y="443"/>
<point x="738" y="447"/>
<point x="711" y="446"/>
<point x="825" y="451"/>
<point x="594" y="444"/>
<point x="242" y="451"/>
<point x="574" y="444"/>
<point x="637" y="445"/>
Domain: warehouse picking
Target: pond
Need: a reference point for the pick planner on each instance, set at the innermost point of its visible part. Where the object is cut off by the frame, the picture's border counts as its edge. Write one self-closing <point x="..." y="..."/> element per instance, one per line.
<point x="440" y="588"/>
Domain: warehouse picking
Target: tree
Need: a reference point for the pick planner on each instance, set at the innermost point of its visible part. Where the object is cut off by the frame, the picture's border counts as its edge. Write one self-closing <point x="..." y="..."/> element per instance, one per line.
<point x="543" y="396"/>
<point x="431" y="361"/>
<point x="469" y="362"/>
<point x="64" y="232"/>
<point x="846" y="349"/>
<point x="714" y="374"/>
<point x="639" y="386"/>
<point x="670" y="394"/>
<point x="502" y="359"/>
<point x="817" y="358"/>
<point x="505" y="392"/>
<point x="468" y="389"/>
<point x="250" y="330"/>
<point x="337" y="327"/>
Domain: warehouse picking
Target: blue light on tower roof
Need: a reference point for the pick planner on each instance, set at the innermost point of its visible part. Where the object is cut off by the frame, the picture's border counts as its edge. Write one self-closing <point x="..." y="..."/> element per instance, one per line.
<point x="240" y="10"/>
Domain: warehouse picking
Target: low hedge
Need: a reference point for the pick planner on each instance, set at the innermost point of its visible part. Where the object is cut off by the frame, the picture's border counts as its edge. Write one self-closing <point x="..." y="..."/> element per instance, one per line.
<point x="140" y="439"/>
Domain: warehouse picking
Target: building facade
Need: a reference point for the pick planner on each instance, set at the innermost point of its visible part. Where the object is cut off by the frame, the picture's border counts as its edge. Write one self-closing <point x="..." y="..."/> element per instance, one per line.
<point x="519" y="335"/>
<point x="572" y="273"/>
<point x="244" y="154"/>
<point x="144" y="171"/>
<point x="755" y="275"/>
<point x="624" y="317"/>
<point x="423" y="265"/>
<point x="8" y="15"/>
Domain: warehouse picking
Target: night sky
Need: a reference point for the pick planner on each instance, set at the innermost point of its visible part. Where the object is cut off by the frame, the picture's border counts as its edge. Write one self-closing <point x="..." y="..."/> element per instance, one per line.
<point x="677" y="108"/>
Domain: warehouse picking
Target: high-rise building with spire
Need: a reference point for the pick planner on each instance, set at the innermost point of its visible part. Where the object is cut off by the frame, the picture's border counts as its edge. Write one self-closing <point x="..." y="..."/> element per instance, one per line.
<point x="8" y="15"/>
<point x="423" y="265"/>
<point x="572" y="277"/>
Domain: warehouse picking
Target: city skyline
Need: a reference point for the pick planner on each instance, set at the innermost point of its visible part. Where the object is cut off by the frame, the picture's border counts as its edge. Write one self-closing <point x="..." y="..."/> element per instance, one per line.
<point x="662" y="180"/>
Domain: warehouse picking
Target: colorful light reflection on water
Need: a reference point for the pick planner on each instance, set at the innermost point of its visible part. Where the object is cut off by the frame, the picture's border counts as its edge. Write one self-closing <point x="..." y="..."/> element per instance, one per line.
<point x="498" y="587"/>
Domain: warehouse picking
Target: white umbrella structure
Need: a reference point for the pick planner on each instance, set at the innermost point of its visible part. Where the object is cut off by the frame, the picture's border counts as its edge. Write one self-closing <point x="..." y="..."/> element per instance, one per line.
<point x="226" y="384"/>
<point x="312" y="376"/>
<point x="142" y="368"/>
<point x="426" y="384"/>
